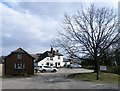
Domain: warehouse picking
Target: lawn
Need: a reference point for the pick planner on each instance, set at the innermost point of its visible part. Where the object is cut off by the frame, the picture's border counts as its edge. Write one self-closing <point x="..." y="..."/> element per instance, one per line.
<point x="91" y="77"/>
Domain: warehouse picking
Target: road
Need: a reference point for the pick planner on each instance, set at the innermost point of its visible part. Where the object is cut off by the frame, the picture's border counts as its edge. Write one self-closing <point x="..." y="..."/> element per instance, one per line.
<point x="57" y="80"/>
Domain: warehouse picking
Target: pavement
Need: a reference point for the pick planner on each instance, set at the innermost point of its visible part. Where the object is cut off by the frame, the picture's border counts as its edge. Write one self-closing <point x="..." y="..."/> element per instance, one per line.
<point x="57" y="80"/>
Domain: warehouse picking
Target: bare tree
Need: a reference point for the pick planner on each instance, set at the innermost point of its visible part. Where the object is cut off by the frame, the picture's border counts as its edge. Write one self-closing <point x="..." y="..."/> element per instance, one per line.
<point x="91" y="31"/>
<point x="115" y="51"/>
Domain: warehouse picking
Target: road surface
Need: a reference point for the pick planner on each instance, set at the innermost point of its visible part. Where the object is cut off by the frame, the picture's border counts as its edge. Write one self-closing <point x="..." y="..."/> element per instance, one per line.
<point x="57" y="80"/>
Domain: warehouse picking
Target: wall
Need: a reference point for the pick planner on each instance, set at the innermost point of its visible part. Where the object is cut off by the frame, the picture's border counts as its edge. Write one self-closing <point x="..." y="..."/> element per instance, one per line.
<point x="55" y="60"/>
<point x="11" y="60"/>
<point x="1" y="70"/>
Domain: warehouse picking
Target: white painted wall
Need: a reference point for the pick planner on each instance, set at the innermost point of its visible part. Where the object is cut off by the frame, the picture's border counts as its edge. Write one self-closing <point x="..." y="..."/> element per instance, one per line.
<point x="1" y="70"/>
<point x="54" y="61"/>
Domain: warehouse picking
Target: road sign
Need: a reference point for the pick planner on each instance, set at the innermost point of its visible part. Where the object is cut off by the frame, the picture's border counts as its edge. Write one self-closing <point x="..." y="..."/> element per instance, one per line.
<point x="103" y="68"/>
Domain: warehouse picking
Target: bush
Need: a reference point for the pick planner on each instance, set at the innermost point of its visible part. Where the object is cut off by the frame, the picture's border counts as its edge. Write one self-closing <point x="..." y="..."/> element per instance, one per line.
<point x="88" y="67"/>
<point x="113" y="69"/>
<point x="87" y="63"/>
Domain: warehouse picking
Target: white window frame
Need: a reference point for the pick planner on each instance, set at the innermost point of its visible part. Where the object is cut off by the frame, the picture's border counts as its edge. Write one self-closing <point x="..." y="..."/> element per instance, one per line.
<point x="19" y="56"/>
<point x="51" y="64"/>
<point x="59" y="63"/>
<point x="48" y="63"/>
<point x="19" y="66"/>
<point x="48" y="59"/>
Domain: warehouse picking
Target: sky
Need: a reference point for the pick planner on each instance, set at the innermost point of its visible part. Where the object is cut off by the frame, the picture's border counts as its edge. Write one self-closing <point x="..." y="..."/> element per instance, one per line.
<point x="33" y="24"/>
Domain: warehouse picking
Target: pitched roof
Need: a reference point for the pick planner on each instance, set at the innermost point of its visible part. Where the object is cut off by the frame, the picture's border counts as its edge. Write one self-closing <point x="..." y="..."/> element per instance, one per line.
<point x="35" y="56"/>
<point x="52" y="54"/>
<point x="58" y="54"/>
<point x="19" y="50"/>
<point x="48" y="54"/>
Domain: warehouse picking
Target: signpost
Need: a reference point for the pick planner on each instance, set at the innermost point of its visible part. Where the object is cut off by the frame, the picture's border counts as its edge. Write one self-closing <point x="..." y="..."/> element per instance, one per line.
<point x="103" y="68"/>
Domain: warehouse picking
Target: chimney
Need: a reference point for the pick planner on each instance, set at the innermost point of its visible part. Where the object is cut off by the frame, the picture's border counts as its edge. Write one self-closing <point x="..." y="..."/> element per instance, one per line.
<point x="57" y="51"/>
<point x="51" y="50"/>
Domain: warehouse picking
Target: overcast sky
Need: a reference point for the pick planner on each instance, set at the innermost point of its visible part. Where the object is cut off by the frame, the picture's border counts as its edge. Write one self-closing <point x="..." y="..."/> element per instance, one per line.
<point x="33" y="25"/>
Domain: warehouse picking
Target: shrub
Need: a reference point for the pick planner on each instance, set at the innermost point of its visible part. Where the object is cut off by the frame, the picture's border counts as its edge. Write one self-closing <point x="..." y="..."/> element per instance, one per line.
<point x="113" y="69"/>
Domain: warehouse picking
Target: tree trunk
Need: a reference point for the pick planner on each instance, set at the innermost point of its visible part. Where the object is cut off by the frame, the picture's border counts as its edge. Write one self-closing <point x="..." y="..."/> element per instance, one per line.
<point x="98" y="69"/>
<point x="96" y="66"/>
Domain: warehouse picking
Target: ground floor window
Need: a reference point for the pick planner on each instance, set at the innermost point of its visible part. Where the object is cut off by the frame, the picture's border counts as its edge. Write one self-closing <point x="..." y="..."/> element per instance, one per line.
<point x="47" y="63"/>
<point x="58" y="63"/>
<point x="51" y="64"/>
<point x="19" y="66"/>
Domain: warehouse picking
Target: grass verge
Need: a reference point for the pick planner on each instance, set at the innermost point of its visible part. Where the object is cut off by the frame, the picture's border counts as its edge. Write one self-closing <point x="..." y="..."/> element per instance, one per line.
<point x="91" y="77"/>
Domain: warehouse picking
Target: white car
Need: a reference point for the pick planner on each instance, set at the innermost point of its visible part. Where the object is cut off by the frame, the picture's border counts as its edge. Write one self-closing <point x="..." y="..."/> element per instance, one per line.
<point x="47" y="69"/>
<point x="75" y="65"/>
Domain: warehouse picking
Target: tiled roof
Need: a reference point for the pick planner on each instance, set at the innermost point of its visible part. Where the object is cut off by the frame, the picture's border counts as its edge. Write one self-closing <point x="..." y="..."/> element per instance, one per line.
<point x="48" y="54"/>
<point x="19" y="50"/>
<point x="58" y="54"/>
<point x="52" y="54"/>
<point x="35" y="56"/>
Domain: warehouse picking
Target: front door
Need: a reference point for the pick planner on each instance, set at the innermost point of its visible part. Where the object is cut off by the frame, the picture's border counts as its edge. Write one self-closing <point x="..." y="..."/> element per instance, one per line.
<point x="55" y="64"/>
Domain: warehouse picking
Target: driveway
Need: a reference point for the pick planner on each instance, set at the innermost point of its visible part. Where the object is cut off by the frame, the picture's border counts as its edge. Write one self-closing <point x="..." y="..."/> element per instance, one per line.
<point x="57" y="80"/>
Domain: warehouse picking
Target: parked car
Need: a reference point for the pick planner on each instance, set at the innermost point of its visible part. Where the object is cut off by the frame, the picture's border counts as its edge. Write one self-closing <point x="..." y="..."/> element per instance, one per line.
<point x="40" y="68"/>
<point x="36" y="67"/>
<point x="75" y="65"/>
<point x="47" y="69"/>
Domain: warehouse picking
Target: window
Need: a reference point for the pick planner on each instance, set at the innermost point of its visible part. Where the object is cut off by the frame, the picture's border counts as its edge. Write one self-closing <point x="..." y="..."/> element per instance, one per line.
<point x="47" y="63"/>
<point x="51" y="58"/>
<point x="19" y="66"/>
<point x="46" y="66"/>
<point x="59" y="63"/>
<point x="51" y="64"/>
<point x="19" y="56"/>
<point x="58" y="57"/>
<point x="47" y="58"/>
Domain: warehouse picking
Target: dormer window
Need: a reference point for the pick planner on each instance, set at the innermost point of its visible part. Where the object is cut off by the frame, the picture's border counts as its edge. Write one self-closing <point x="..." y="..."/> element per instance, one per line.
<point x="47" y="58"/>
<point x="19" y="56"/>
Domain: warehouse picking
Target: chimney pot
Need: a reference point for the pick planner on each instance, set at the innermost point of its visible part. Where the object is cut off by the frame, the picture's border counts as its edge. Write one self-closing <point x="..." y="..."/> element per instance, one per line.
<point x="51" y="49"/>
<point x="57" y="51"/>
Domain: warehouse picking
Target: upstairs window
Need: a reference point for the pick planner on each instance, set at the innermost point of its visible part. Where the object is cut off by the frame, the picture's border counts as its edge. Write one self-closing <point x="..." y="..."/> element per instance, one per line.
<point x="19" y="56"/>
<point x="58" y="57"/>
<point x="19" y="66"/>
<point x="51" y="58"/>
<point x="47" y="58"/>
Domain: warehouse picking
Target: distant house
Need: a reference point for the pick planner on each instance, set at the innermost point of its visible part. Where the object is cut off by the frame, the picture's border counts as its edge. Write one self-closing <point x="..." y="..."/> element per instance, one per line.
<point x="51" y="58"/>
<point x="75" y="60"/>
<point x="36" y="57"/>
<point x="19" y="62"/>
<point x="67" y="62"/>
